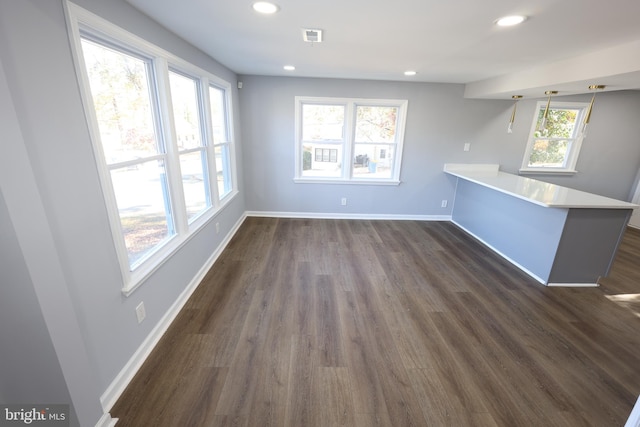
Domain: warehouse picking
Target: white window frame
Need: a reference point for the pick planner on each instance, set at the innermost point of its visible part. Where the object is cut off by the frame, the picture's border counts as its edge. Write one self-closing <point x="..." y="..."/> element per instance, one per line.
<point x="348" y="141"/>
<point x="204" y="134"/>
<point x="227" y="142"/>
<point x="574" y="149"/>
<point x="82" y="23"/>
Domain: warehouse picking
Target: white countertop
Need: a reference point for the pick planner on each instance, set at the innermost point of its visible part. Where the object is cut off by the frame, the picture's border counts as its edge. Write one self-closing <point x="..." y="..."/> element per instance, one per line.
<point x="532" y="190"/>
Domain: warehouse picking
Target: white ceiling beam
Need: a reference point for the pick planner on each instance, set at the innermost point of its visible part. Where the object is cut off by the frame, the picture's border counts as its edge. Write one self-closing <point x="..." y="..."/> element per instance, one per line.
<point x="617" y="67"/>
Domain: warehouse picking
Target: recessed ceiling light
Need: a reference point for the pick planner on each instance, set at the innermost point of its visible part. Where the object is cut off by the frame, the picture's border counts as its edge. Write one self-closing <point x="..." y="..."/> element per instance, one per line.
<point x="265" y="7"/>
<point x="410" y="73"/>
<point x="508" y="21"/>
<point x="289" y="67"/>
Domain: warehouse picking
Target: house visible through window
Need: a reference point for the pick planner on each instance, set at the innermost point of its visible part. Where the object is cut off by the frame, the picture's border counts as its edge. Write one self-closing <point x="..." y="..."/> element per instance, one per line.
<point x="555" y="146"/>
<point x="326" y="155"/>
<point x="330" y="131"/>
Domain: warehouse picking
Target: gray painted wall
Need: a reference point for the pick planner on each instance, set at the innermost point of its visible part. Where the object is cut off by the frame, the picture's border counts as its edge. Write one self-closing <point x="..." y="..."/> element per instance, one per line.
<point x="439" y="122"/>
<point x="30" y="372"/>
<point x="524" y="232"/>
<point x="610" y="156"/>
<point x="39" y="321"/>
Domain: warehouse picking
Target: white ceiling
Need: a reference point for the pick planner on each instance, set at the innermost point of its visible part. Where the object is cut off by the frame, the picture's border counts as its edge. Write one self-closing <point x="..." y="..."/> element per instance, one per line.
<point x="565" y="45"/>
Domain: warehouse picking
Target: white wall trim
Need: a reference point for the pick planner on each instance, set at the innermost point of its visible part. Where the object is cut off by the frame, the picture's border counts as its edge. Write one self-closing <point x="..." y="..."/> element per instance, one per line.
<point x="525" y="270"/>
<point x="106" y="421"/>
<point x="314" y="215"/>
<point x="124" y="377"/>
<point x="573" y="285"/>
<point x="533" y="276"/>
<point x="634" y="418"/>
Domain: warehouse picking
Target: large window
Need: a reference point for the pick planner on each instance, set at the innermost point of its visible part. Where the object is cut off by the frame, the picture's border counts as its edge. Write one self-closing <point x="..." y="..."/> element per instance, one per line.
<point x="162" y="138"/>
<point x="554" y="143"/>
<point x="133" y="151"/>
<point x="186" y="104"/>
<point x="349" y="140"/>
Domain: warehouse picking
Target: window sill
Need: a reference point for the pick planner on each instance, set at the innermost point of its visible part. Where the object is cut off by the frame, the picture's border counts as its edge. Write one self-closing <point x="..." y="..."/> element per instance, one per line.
<point x="346" y="181"/>
<point x="148" y="267"/>
<point x="547" y="171"/>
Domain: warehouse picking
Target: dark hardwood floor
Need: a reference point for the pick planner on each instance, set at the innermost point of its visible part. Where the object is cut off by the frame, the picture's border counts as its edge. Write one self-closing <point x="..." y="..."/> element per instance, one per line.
<point x="389" y="323"/>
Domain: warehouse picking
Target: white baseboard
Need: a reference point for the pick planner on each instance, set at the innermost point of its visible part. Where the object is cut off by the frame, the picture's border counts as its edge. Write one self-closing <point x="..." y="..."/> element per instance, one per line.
<point x="312" y="215"/>
<point x="121" y="381"/>
<point x="634" y="418"/>
<point x="527" y="271"/>
<point x="573" y="285"/>
<point x="106" y="421"/>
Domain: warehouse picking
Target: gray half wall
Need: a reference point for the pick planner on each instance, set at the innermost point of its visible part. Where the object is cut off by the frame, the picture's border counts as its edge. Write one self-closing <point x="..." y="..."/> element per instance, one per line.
<point x="589" y="239"/>
<point x="525" y="233"/>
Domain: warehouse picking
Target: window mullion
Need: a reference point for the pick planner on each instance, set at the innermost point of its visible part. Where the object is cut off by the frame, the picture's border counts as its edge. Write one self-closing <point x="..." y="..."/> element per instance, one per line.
<point x="169" y="136"/>
<point x="206" y="139"/>
<point x="222" y="150"/>
<point x="349" y="140"/>
<point x="230" y="171"/>
<point x="209" y="142"/>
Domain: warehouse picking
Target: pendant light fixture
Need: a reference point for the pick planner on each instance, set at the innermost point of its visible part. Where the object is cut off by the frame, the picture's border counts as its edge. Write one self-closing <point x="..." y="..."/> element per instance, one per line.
<point x="543" y="123"/>
<point x="513" y="113"/>
<point x="587" y="116"/>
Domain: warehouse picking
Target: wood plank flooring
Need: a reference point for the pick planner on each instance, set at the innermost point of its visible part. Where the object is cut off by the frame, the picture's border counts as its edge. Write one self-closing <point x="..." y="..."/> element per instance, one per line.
<point x="389" y="323"/>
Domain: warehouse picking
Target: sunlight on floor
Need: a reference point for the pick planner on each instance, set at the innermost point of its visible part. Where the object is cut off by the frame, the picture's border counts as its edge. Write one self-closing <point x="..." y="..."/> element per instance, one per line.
<point x="630" y="301"/>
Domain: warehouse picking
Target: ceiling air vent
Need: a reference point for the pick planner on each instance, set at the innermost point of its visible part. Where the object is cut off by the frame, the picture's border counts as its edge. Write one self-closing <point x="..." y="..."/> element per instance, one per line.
<point x="312" y="36"/>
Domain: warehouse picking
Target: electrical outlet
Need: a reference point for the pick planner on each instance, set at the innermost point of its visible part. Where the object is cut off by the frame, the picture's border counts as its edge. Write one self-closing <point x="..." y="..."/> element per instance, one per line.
<point x="467" y="146"/>
<point x="444" y="203"/>
<point x="217" y="227"/>
<point x="343" y="202"/>
<point x="141" y="313"/>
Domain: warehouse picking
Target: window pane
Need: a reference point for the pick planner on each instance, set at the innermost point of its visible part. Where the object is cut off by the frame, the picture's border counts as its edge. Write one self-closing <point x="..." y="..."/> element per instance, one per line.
<point x="322" y="160"/>
<point x="561" y="123"/>
<point x="549" y="153"/>
<point x="552" y="143"/>
<point x="186" y="114"/>
<point x="194" y="182"/>
<point x="223" y="170"/>
<point x="218" y="115"/>
<point x="376" y="124"/>
<point x="373" y="161"/>
<point x="143" y="203"/>
<point x="322" y="122"/>
<point x="120" y="89"/>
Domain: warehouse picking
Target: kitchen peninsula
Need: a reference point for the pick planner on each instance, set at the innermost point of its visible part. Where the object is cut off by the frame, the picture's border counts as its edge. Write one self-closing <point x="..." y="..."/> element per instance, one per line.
<point x="558" y="235"/>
